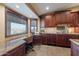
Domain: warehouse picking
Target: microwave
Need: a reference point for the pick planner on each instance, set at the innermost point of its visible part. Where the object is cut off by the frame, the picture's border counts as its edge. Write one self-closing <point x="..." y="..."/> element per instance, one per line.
<point x="62" y="29"/>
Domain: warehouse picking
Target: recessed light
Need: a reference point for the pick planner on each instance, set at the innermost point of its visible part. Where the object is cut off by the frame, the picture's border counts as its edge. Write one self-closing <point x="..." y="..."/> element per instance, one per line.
<point x="47" y="8"/>
<point x="17" y="6"/>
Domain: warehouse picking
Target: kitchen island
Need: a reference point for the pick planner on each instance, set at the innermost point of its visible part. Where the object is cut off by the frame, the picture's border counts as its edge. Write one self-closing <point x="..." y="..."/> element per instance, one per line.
<point x="74" y="47"/>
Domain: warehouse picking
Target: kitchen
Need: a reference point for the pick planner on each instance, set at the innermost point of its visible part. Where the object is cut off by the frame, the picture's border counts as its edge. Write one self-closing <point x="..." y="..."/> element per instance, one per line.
<point x="40" y="30"/>
<point x="59" y="28"/>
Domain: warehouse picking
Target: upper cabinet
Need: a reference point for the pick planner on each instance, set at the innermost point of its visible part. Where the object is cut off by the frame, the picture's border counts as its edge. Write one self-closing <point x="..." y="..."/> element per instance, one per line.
<point x="72" y="19"/>
<point x="76" y="19"/>
<point x="69" y="18"/>
<point x="58" y="18"/>
<point x="49" y="20"/>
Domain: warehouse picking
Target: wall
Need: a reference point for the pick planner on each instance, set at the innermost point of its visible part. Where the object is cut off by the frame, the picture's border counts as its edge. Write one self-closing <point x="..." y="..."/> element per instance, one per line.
<point x="2" y="29"/>
<point x="3" y="39"/>
<point x="38" y="25"/>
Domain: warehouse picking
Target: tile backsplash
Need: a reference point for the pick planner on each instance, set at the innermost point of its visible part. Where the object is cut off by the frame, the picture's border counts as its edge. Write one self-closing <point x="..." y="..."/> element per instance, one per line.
<point x="70" y="30"/>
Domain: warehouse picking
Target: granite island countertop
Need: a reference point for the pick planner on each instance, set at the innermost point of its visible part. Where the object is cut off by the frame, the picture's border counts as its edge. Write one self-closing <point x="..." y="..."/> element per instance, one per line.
<point x="75" y="41"/>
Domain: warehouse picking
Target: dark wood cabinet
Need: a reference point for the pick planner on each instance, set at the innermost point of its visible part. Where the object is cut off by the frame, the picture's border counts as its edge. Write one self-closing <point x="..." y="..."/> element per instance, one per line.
<point x="73" y="18"/>
<point x="76" y="19"/>
<point x="70" y="18"/>
<point x="66" y="39"/>
<point x="18" y="51"/>
<point x="60" y="40"/>
<point x="37" y="39"/>
<point x="57" y="18"/>
<point x="55" y="39"/>
<point x="67" y="18"/>
<point x="44" y="39"/>
<point x="53" y="21"/>
<point x="48" y="20"/>
<point x="63" y="40"/>
<point x="51" y="39"/>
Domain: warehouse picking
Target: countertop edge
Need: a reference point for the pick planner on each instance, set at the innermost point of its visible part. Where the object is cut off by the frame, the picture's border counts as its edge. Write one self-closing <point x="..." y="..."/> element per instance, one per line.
<point x="75" y="41"/>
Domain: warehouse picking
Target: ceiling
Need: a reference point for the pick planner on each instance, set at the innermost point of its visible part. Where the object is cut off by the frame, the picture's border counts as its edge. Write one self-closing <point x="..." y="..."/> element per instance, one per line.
<point x="22" y="8"/>
<point x="40" y="8"/>
<point x="32" y="9"/>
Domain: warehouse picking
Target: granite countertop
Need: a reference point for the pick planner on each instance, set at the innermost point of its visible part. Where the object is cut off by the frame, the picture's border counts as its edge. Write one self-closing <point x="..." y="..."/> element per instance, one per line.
<point x="62" y="33"/>
<point x="75" y="41"/>
<point x="13" y="44"/>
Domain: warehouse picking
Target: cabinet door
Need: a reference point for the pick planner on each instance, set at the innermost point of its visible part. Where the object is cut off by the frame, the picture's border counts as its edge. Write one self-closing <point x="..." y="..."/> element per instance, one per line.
<point x="48" y="21"/>
<point x="58" y="18"/>
<point x="69" y="18"/>
<point x="60" y="40"/>
<point x="76" y="20"/>
<point x="44" y="39"/>
<point x="64" y="19"/>
<point x="34" y="40"/>
<point x="51" y="39"/>
<point x="19" y="51"/>
<point x="54" y="21"/>
<point x="37" y="39"/>
<point x="66" y="40"/>
<point x="72" y="19"/>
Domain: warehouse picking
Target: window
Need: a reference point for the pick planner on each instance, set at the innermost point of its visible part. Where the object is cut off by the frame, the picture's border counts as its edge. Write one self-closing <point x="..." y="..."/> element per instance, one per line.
<point x="15" y="24"/>
<point x="15" y="29"/>
<point x="33" y="26"/>
<point x="42" y="25"/>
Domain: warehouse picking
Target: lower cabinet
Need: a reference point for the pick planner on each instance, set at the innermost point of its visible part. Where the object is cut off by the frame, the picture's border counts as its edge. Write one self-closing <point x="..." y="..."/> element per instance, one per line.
<point x="54" y="39"/>
<point x="44" y="39"/>
<point x="51" y="39"/>
<point x="18" y="51"/>
<point x="37" y="39"/>
<point x="62" y="40"/>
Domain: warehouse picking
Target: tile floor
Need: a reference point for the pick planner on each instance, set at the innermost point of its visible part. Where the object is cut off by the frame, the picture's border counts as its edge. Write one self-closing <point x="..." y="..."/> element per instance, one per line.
<point x="46" y="50"/>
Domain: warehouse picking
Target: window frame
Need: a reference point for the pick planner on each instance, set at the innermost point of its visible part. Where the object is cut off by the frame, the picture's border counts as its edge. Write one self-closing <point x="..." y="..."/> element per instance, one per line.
<point x="31" y="24"/>
<point x="8" y="10"/>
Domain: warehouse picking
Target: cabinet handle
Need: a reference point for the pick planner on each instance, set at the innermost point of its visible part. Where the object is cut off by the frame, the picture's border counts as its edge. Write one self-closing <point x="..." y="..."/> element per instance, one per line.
<point x="67" y="40"/>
